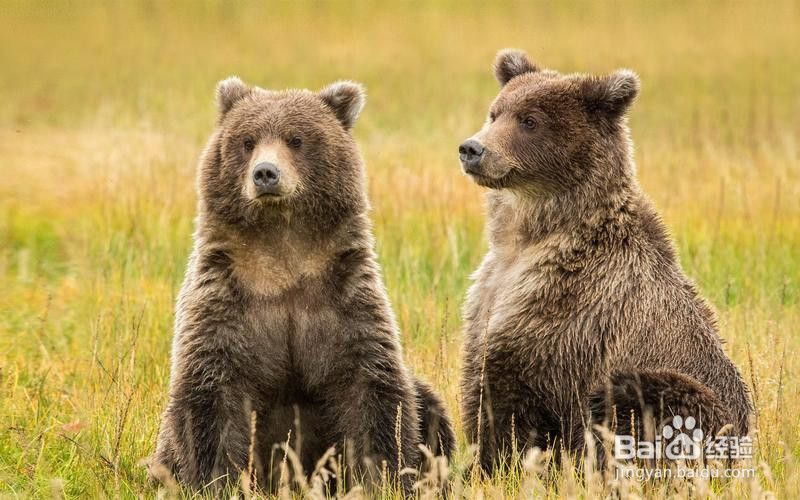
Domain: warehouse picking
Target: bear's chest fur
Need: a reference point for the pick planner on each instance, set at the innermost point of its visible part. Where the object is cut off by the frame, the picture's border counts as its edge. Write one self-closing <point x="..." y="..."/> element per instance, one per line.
<point x="278" y="270"/>
<point x="537" y="315"/>
<point x="290" y="318"/>
<point x="520" y="284"/>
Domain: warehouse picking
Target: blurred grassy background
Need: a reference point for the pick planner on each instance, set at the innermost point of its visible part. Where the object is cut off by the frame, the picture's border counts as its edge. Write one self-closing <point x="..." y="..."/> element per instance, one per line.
<point x="106" y="107"/>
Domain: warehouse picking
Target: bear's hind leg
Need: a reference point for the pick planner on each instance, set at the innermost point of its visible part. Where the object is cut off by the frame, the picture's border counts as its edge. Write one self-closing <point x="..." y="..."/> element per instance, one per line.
<point x="640" y="403"/>
<point x="665" y="393"/>
<point x="435" y="427"/>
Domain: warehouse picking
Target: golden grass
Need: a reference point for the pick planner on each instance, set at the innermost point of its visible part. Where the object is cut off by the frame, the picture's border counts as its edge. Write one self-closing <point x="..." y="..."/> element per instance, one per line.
<point x="106" y="107"/>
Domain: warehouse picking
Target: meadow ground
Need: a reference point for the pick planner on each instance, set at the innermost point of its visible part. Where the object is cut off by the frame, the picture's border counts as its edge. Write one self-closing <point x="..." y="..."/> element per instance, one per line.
<point x="106" y="108"/>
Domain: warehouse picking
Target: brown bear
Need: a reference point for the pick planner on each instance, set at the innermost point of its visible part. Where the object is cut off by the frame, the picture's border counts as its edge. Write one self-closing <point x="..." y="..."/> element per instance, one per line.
<point x="580" y="306"/>
<point x="283" y="312"/>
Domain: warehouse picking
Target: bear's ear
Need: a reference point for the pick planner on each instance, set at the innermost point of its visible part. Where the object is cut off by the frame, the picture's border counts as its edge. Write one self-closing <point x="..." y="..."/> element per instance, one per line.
<point x="346" y="100"/>
<point x="229" y="91"/>
<point x="510" y="63"/>
<point x="612" y="94"/>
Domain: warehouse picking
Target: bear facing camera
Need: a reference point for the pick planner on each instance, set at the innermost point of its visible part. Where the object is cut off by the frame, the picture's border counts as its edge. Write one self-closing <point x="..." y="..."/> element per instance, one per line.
<point x="283" y="326"/>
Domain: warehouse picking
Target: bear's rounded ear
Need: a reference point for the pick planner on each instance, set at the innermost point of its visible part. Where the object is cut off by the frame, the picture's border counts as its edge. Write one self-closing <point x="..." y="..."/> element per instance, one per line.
<point x="510" y="63"/>
<point x="612" y="94"/>
<point x="229" y="91"/>
<point x="346" y="100"/>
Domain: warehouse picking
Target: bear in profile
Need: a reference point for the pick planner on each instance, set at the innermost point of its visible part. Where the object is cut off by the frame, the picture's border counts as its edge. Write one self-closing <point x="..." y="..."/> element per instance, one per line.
<point x="283" y="313"/>
<point x="580" y="313"/>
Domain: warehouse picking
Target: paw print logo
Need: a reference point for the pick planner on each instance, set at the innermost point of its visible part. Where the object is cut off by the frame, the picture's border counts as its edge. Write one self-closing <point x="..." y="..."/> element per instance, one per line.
<point x="683" y="440"/>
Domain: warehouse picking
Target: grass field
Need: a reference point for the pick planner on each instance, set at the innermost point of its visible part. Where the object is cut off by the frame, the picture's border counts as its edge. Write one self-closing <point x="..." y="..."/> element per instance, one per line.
<point x="106" y="107"/>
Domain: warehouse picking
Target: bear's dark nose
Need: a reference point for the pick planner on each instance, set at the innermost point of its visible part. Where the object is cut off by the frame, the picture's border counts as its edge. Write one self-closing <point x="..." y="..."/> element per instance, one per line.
<point x="265" y="177"/>
<point x="470" y="152"/>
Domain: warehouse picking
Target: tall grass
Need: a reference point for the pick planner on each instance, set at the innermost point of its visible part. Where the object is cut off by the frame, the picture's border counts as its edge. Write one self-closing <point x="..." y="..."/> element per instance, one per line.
<point x="106" y="106"/>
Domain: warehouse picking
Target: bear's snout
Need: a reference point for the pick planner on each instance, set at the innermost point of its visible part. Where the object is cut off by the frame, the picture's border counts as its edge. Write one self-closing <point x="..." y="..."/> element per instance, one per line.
<point x="265" y="178"/>
<point x="471" y="153"/>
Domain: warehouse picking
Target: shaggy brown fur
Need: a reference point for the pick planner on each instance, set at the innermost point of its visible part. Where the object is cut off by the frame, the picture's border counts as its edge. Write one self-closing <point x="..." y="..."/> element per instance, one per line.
<point x="283" y="311"/>
<point x="580" y="305"/>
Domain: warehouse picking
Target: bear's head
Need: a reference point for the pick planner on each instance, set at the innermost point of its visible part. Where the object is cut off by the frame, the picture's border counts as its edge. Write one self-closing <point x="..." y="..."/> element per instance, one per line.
<point x="548" y="132"/>
<point x="283" y="156"/>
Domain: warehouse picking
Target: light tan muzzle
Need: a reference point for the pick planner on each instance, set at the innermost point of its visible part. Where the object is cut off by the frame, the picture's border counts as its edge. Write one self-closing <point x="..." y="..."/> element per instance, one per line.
<point x="270" y="173"/>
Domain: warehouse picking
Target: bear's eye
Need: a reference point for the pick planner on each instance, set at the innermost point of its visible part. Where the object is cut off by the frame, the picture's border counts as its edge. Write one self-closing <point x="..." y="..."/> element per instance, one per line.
<point x="529" y="123"/>
<point x="492" y="117"/>
<point x="295" y="142"/>
<point x="249" y="144"/>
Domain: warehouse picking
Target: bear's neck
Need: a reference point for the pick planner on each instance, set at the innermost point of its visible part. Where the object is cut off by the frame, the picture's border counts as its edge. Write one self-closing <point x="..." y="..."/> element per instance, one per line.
<point x="520" y="218"/>
<point x="274" y="261"/>
<point x="280" y="232"/>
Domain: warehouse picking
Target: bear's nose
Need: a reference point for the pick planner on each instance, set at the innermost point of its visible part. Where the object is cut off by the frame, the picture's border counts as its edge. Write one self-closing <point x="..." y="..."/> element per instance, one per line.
<point x="265" y="177"/>
<point x="266" y="174"/>
<point x="470" y="152"/>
